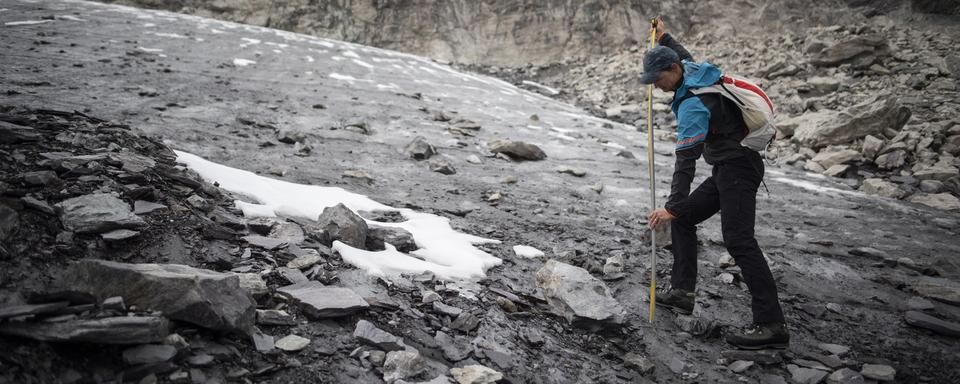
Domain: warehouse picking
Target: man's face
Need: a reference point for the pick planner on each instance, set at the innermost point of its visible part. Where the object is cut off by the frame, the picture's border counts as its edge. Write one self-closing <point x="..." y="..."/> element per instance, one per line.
<point x="668" y="79"/>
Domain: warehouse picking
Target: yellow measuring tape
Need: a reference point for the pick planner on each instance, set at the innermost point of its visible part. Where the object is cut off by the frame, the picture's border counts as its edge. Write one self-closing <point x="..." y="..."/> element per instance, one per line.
<point x="653" y="194"/>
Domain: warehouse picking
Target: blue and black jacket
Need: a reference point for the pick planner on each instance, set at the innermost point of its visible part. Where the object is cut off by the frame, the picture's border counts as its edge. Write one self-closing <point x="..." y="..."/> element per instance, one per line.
<point x="707" y="124"/>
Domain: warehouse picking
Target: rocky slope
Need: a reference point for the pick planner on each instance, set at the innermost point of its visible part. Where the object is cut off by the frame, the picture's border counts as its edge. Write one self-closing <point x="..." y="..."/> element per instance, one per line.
<point x="102" y="226"/>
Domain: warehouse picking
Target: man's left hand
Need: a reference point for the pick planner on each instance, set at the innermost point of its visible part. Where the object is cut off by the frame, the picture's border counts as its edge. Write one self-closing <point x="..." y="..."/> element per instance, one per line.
<point x="659" y="217"/>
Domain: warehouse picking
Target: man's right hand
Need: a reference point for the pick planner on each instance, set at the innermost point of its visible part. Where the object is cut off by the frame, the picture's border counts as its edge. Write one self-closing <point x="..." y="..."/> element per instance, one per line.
<point x="660" y="28"/>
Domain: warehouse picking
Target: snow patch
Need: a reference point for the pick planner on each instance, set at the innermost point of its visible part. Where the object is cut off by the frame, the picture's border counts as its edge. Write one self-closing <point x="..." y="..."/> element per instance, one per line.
<point x="170" y="35"/>
<point x="243" y="62"/>
<point x="351" y="54"/>
<point x="363" y="63"/>
<point x="150" y="50"/>
<point x="527" y="251"/>
<point x="26" y="22"/>
<point x="442" y="250"/>
<point x="69" y="17"/>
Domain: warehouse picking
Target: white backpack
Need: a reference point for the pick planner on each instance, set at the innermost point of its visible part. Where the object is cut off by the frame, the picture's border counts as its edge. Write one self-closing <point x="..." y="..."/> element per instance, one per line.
<point x="757" y="109"/>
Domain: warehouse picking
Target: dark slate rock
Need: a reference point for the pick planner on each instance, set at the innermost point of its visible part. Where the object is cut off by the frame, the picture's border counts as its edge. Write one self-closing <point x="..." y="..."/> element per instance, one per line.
<point x="206" y="298"/>
<point x="400" y="238"/>
<point x="36" y="309"/>
<point x="339" y="223"/>
<point x="14" y="134"/>
<point x="369" y="334"/>
<point x="420" y="149"/>
<point x="319" y="301"/>
<point x="41" y="178"/>
<point x="264" y="242"/>
<point x="923" y="320"/>
<point x="517" y="149"/>
<point x="149" y="354"/>
<point x="762" y="356"/>
<point x="96" y="213"/>
<point x="110" y="330"/>
<point x="38" y="205"/>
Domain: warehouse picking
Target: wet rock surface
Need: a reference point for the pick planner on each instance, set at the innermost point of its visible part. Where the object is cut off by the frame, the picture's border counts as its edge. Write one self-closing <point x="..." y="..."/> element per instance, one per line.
<point x="813" y="228"/>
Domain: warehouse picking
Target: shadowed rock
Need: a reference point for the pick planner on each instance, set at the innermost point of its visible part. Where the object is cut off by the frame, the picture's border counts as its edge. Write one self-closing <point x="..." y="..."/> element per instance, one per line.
<point x="99" y="212"/>
<point x="340" y="223"/>
<point x="206" y="298"/>
<point x="517" y="149"/>
<point x="319" y="301"/>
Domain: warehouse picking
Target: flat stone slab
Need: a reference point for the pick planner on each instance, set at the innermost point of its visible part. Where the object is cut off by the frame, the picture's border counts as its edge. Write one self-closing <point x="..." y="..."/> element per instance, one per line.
<point x="206" y="298"/>
<point x="110" y="330"/>
<point x="943" y="293"/>
<point x="96" y="213"/>
<point x="369" y="334"/>
<point x="149" y="354"/>
<point x="762" y="356"/>
<point x="923" y="320"/>
<point x="38" y="309"/>
<point x="264" y="242"/>
<point x="319" y="301"/>
<point x="292" y="343"/>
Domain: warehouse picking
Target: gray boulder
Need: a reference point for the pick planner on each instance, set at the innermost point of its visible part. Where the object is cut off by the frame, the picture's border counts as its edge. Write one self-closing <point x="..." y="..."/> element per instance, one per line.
<point x="942" y="201"/>
<point x="860" y="51"/>
<point x="319" y="301"/>
<point x="870" y="118"/>
<point x="882" y="188"/>
<point x="517" y="149"/>
<point x="402" y="365"/>
<point x="369" y="334"/>
<point x="420" y="149"/>
<point x="206" y="298"/>
<point x="340" y="223"/>
<point x="96" y="213"/>
<point x="923" y="320"/>
<point x="577" y="296"/>
<point x="830" y="158"/>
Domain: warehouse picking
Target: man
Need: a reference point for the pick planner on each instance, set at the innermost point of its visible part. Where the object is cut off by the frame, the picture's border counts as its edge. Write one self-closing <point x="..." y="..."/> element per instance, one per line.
<point x="711" y="125"/>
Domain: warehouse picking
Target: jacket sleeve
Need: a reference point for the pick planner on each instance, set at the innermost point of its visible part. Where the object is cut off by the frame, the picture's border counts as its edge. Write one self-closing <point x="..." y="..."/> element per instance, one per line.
<point x="693" y="123"/>
<point x="668" y="41"/>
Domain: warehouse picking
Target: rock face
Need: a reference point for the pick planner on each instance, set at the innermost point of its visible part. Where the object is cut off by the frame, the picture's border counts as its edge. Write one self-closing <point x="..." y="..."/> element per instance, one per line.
<point x="99" y="212"/>
<point x="369" y="334"/>
<point x="576" y="295"/>
<point x="517" y="149"/>
<point x="110" y="330"/>
<point x="420" y="149"/>
<point x="340" y="223"/>
<point x="923" y="320"/>
<point x="860" y="51"/>
<point x="319" y="301"/>
<point x="869" y="118"/>
<point x="206" y="298"/>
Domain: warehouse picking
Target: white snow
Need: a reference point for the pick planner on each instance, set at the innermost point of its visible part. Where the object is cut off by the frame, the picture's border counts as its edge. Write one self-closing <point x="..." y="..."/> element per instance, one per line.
<point x="527" y="251"/>
<point x="243" y="62"/>
<point x="149" y="25"/>
<point x="363" y="63"/>
<point x="549" y="90"/>
<point x="812" y="187"/>
<point x="442" y="250"/>
<point x="216" y="31"/>
<point x="347" y="78"/>
<point x="69" y="17"/>
<point x="351" y="54"/>
<point x="614" y="145"/>
<point x="309" y="59"/>
<point x="248" y="42"/>
<point x="170" y="35"/>
<point x="150" y="50"/>
<point x="26" y="22"/>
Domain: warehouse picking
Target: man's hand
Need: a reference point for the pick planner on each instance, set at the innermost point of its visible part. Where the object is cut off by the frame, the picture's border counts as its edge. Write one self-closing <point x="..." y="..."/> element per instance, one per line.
<point x="659" y="217"/>
<point x="661" y="28"/>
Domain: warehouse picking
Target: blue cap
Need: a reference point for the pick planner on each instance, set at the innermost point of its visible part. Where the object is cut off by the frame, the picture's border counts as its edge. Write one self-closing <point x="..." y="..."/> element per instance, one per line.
<point x="656" y="60"/>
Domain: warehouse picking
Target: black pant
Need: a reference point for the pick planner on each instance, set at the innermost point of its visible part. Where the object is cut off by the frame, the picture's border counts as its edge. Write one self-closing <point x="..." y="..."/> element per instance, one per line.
<point x="732" y="190"/>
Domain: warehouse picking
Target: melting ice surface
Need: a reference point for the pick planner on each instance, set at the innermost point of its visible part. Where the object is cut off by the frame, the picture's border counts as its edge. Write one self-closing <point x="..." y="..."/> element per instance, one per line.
<point x="442" y="250"/>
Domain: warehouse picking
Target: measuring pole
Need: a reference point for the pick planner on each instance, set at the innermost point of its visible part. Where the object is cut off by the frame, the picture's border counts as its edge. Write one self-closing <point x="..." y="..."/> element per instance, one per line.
<point x="653" y="184"/>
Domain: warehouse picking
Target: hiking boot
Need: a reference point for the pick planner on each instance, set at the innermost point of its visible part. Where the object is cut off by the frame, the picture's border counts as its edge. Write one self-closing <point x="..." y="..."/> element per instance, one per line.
<point x="761" y="336"/>
<point x="677" y="300"/>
